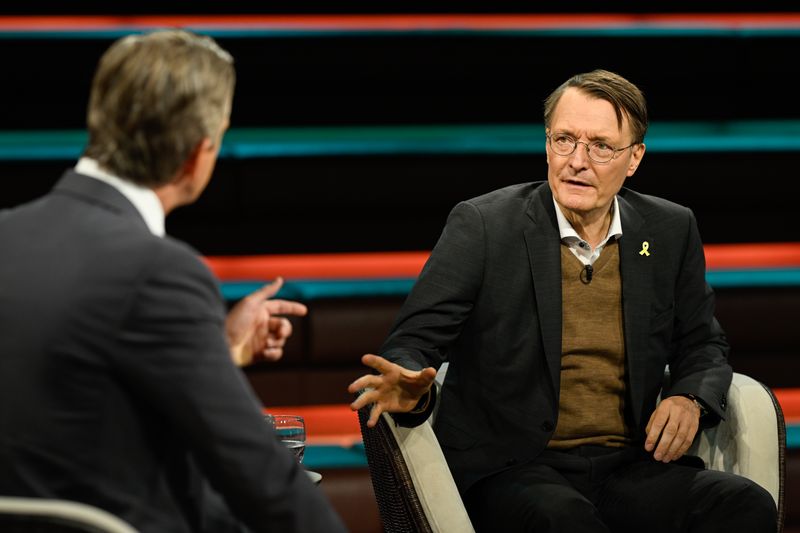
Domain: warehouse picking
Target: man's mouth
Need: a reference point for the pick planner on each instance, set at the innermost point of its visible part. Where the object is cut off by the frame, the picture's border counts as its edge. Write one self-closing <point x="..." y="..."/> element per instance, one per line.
<point x="577" y="183"/>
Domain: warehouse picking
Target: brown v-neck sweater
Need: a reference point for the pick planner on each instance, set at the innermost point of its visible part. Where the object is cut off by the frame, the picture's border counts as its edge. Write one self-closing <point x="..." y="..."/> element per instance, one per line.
<point x="592" y="399"/>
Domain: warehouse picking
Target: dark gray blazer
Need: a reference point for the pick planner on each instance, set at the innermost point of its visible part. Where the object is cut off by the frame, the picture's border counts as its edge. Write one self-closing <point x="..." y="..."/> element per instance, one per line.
<point x="115" y="376"/>
<point x="489" y="301"/>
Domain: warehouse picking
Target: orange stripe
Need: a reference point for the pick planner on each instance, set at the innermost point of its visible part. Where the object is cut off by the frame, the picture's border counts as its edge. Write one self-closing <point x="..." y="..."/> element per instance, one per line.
<point x="319" y="266"/>
<point x="789" y="398"/>
<point x="753" y="255"/>
<point x="336" y="424"/>
<point x="404" y="22"/>
<point x="409" y="264"/>
<point x="325" y="424"/>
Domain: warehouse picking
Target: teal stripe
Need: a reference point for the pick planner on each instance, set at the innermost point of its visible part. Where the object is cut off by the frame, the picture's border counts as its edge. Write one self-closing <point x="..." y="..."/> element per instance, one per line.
<point x="309" y="290"/>
<point x="728" y="143"/>
<point x="784" y="277"/>
<point x="766" y="135"/>
<point x="246" y="143"/>
<point x="369" y="140"/>
<point x="77" y="34"/>
<point x="636" y="31"/>
<point x="330" y="456"/>
<point x="42" y="144"/>
<point x="793" y="436"/>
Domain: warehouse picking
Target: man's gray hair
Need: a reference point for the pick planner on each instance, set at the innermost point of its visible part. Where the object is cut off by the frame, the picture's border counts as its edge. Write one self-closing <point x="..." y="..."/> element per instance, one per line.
<point x="154" y="98"/>
<point x="627" y="99"/>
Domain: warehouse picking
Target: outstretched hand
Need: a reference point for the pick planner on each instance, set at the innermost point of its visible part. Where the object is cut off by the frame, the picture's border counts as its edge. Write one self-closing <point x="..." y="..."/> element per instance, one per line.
<point x="394" y="390"/>
<point x="254" y="329"/>
<point x="672" y="428"/>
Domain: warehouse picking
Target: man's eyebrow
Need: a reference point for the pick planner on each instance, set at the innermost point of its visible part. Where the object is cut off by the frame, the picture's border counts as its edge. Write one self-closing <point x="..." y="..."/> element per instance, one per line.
<point x="590" y="138"/>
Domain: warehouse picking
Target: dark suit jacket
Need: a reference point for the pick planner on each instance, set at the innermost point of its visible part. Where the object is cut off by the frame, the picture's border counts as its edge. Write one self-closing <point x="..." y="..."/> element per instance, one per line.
<point x="115" y="376"/>
<point x="489" y="301"/>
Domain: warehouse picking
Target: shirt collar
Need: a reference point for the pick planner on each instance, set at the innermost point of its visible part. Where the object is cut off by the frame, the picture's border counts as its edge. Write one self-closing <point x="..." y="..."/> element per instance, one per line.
<point x="143" y="199"/>
<point x="567" y="232"/>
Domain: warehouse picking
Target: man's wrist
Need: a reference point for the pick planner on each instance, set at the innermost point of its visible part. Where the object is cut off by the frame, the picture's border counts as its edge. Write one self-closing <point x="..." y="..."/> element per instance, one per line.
<point x="698" y="404"/>
<point x="422" y="404"/>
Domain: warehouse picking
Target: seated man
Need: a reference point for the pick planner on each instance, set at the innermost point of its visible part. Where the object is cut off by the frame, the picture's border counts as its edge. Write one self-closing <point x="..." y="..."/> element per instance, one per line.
<point x="117" y="386"/>
<point x="558" y="304"/>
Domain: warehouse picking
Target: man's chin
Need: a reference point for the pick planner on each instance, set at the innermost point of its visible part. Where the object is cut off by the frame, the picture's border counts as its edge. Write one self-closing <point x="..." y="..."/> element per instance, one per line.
<point x="578" y="203"/>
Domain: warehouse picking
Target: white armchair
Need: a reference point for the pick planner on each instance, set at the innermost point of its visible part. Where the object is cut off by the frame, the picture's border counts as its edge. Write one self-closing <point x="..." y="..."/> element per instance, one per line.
<point x="413" y="485"/>
<point x="24" y="515"/>
<point x="751" y="441"/>
<point x="416" y="492"/>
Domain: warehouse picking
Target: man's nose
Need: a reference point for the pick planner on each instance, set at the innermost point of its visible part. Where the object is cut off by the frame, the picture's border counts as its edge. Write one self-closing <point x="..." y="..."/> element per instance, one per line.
<point x="580" y="156"/>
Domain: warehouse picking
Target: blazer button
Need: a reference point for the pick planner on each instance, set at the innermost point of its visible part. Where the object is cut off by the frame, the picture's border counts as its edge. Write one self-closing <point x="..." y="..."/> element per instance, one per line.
<point x="547" y="426"/>
<point x="723" y="402"/>
<point x="511" y="462"/>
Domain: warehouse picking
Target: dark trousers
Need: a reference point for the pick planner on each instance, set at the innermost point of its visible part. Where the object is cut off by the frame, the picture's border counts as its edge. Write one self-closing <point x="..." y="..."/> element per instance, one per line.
<point x="596" y="489"/>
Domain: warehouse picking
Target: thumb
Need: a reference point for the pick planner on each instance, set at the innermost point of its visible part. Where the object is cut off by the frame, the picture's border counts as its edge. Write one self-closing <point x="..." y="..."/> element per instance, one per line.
<point x="428" y="374"/>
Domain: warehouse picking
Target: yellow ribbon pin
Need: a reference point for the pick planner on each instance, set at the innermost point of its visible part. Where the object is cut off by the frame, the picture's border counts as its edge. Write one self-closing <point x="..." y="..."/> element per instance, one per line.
<point x="645" y="247"/>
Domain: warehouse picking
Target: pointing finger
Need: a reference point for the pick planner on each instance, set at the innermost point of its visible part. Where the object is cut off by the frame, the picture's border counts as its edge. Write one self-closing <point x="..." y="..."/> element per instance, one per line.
<point x="267" y="291"/>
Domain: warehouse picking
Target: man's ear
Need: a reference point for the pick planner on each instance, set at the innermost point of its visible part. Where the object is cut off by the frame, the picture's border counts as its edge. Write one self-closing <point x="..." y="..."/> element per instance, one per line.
<point x="190" y="179"/>
<point x="638" y="154"/>
<point x="191" y="170"/>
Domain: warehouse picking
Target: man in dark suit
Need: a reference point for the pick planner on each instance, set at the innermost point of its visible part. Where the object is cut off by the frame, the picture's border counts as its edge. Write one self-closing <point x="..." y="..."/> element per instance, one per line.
<point x="557" y="306"/>
<point x="117" y="379"/>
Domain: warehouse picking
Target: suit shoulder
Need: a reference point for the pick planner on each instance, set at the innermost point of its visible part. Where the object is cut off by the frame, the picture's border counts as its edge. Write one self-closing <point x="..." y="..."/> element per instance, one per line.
<point x="181" y="256"/>
<point x="653" y="205"/>
<point x="511" y="193"/>
<point x="179" y="282"/>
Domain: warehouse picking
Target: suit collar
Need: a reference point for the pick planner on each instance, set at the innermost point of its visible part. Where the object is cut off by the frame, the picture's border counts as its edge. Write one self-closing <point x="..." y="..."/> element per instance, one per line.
<point x="637" y="259"/>
<point x="543" y="242"/>
<point x="98" y="193"/>
<point x="144" y="199"/>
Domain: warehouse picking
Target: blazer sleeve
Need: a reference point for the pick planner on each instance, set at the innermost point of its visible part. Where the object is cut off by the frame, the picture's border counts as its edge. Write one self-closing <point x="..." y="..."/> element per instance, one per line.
<point x="440" y="301"/>
<point x="443" y="296"/>
<point x="174" y="357"/>
<point x="699" y="365"/>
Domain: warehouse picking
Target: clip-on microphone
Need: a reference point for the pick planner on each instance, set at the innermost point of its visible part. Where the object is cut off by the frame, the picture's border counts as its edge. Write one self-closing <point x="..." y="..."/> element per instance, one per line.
<point x="586" y="274"/>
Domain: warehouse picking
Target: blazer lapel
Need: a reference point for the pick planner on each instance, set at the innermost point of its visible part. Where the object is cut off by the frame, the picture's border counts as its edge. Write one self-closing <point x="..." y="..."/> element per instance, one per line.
<point x="635" y="271"/>
<point x="543" y="242"/>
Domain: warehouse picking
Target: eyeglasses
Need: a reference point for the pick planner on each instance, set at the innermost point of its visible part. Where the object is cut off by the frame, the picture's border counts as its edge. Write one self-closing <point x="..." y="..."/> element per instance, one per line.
<point x="598" y="151"/>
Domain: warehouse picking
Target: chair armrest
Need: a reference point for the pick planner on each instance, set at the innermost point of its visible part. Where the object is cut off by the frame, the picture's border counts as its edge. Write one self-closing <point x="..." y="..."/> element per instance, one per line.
<point x="751" y="441"/>
<point x="38" y="512"/>
<point x="432" y="479"/>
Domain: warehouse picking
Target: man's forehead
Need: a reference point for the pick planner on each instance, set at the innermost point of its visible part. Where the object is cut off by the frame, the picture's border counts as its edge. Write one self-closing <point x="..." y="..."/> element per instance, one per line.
<point x="580" y="113"/>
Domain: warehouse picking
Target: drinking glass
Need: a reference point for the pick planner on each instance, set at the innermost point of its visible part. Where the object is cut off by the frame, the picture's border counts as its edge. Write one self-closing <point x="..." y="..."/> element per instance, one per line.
<point x="291" y="431"/>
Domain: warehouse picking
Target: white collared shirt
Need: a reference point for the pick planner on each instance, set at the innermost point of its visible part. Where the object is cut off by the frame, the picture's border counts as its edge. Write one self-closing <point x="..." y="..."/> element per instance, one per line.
<point x="579" y="247"/>
<point x="143" y="199"/>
